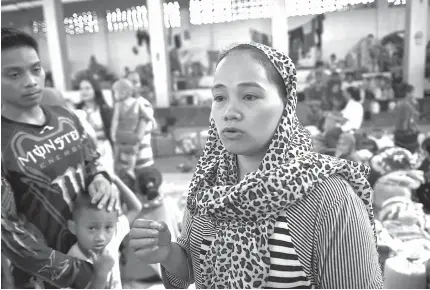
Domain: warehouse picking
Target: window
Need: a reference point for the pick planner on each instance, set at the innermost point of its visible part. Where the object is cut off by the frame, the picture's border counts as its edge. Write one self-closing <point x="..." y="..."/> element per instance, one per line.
<point x="85" y="22"/>
<point x="135" y="18"/>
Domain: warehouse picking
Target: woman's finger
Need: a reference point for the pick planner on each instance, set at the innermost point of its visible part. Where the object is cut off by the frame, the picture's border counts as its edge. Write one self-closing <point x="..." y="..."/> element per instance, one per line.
<point x="143" y="243"/>
<point x="136" y="233"/>
<point x="145" y="252"/>
<point x="147" y="224"/>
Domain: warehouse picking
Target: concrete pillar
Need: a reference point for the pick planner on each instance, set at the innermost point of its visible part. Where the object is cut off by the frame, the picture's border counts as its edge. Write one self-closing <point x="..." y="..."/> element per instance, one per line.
<point x="415" y="44"/>
<point x="159" y="54"/>
<point x="382" y="25"/>
<point x="280" y="26"/>
<point x="57" y="46"/>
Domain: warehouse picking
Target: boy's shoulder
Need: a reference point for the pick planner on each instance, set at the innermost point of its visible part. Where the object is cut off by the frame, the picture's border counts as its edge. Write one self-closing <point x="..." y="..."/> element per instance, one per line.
<point x="76" y="252"/>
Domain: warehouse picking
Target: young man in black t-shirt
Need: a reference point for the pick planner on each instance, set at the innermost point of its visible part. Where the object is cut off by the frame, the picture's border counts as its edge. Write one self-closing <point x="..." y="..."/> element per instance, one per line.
<point x="47" y="160"/>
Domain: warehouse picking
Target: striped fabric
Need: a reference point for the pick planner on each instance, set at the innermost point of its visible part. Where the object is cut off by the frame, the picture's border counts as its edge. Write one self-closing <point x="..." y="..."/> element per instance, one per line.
<point x="324" y="241"/>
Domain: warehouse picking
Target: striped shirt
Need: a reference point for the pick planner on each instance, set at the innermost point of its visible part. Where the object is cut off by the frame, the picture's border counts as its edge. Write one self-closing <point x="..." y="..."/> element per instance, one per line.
<point x="323" y="241"/>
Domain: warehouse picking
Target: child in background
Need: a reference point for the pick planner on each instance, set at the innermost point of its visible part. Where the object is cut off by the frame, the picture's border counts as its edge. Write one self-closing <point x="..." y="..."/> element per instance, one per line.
<point x="129" y="123"/>
<point x="100" y="233"/>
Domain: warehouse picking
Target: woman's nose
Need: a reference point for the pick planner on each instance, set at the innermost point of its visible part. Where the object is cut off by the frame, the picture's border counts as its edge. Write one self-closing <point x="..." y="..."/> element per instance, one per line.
<point x="232" y="112"/>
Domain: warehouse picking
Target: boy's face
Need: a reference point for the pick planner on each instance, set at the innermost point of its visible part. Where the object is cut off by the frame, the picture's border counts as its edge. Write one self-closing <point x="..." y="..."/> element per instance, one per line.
<point x="94" y="228"/>
<point x="121" y="95"/>
<point x="22" y="77"/>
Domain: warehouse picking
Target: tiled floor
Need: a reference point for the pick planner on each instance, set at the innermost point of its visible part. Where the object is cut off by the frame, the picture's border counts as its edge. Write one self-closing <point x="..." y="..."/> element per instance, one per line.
<point x="174" y="185"/>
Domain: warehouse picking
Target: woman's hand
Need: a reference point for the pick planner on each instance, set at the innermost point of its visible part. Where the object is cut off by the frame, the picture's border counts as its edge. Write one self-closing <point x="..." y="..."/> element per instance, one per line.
<point x="150" y="241"/>
<point x="102" y="193"/>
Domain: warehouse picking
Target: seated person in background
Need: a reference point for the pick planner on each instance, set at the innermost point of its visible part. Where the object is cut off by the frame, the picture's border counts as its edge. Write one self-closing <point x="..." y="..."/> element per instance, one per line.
<point x="345" y="118"/>
<point x="346" y="146"/>
<point x="349" y="81"/>
<point x="352" y="112"/>
<point x="303" y="112"/>
<point x="407" y="114"/>
<point x="100" y="234"/>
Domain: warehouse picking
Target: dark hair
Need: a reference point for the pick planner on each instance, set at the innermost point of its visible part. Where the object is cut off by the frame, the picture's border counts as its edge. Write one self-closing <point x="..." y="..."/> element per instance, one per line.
<point x="14" y="38"/>
<point x="105" y="112"/>
<point x="300" y="97"/>
<point x="332" y="55"/>
<point x="98" y="94"/>
<point x="81" y="202"/>
<point x="341" y="99"/>
<point x="271" y="72"/>
<point x="319" y="63"/>
<point x="409" y="88"/>
<point x="354" y="92"/>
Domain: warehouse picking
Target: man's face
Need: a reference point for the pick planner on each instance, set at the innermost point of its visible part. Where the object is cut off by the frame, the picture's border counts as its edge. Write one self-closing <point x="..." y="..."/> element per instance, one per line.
<point x="22" y="77"/>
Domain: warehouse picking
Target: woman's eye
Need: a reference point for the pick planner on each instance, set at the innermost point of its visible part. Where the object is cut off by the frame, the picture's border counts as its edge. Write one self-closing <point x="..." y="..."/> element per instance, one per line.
<point x="37" y="69"/>
<point x="249" y="97"/>
<point x="218" y="98"/>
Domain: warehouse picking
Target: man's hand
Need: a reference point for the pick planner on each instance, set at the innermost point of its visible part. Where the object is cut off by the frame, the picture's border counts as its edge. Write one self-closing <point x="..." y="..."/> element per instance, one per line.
<point x="102" y="193"/>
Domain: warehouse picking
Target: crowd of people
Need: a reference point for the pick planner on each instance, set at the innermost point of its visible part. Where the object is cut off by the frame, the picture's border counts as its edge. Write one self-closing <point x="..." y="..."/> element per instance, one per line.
<point x="265" y="208"/>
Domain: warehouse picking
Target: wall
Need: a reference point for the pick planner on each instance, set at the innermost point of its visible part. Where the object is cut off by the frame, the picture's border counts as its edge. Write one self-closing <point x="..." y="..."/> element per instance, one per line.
<point x="342" y="30"/>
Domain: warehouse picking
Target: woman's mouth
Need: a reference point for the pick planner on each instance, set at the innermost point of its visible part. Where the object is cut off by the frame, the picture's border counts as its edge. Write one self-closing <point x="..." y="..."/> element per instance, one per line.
<point x="232" y="133"/>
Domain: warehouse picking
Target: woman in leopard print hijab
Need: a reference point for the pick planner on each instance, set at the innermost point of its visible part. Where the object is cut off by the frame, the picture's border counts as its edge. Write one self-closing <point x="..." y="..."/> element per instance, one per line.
<point x="264" y="211"/>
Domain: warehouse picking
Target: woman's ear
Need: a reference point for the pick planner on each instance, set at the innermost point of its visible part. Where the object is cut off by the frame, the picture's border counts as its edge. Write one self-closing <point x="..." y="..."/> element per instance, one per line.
<point x="72" y="226"/>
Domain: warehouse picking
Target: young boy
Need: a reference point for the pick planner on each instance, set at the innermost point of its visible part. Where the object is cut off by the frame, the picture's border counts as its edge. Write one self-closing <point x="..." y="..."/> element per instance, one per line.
<point x="129" y="124"/>
<point x="100" y="234"/>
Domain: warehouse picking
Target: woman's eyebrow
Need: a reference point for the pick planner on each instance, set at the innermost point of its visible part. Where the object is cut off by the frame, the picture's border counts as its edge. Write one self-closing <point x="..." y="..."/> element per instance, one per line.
<point x="244" y="84"/>
<point x="251" y="84"/>
<point x="218" y="86"/>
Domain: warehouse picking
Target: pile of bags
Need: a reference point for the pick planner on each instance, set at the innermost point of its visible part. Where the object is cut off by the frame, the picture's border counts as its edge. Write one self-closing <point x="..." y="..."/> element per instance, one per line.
<point x="403" y="227"/>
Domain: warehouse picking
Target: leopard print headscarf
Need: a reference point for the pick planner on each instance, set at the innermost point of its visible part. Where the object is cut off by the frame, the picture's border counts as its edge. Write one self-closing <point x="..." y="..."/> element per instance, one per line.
<point x="245" y="211"/>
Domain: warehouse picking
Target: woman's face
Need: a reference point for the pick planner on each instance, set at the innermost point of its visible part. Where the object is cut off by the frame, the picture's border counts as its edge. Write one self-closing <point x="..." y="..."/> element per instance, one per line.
<point x="246" y="105"/>
<point x="87" y="91"/>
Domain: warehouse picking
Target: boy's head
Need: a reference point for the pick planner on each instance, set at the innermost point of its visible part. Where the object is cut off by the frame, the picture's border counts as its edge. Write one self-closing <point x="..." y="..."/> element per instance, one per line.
<point x="22" y="75"/>
<point x="134" y="78"/>
<point x="409" y="91"/>
<point x="93" y="227"/>
<point x="123" y="89"/>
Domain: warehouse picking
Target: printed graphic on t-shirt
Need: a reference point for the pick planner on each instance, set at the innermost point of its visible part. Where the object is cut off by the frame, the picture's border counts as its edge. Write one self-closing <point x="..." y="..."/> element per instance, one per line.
<point x="52" y="157"/>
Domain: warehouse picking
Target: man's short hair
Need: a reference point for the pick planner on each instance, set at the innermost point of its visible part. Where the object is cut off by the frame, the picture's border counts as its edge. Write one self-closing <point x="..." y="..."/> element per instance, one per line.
<point x="14" y="38"/>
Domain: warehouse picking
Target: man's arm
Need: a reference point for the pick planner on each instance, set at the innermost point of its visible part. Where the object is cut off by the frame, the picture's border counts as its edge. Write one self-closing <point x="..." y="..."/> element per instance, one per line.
<point x="24" y="245"/>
